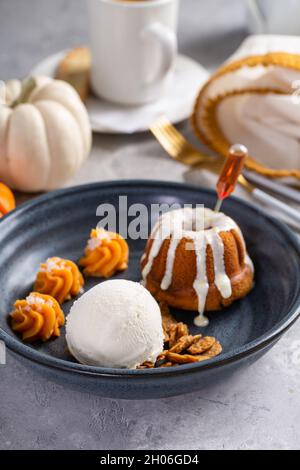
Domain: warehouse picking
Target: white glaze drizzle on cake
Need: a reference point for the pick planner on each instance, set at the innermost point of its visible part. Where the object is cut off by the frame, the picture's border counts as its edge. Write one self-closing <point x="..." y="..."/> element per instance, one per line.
<point x="179" y="224"/>
<point x="201" y="283"/>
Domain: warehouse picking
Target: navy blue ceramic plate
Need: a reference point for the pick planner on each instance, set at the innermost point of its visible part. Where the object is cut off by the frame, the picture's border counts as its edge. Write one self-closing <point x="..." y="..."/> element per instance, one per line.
<point x="58" y="224"/>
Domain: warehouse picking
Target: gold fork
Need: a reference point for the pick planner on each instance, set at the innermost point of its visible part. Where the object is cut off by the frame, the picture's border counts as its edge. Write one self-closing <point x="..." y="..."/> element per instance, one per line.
<point x="178" y="147"/>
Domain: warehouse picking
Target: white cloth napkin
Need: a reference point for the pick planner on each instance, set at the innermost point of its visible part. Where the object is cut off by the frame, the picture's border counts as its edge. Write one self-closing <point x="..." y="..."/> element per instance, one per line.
<point x="268" y="124"/>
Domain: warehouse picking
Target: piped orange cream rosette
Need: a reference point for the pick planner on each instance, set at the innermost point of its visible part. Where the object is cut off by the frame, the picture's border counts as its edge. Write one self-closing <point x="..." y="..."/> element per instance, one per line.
<point x="59" y="278"/>
<point x="38" y="317"/>
<point x="105" y="254"/>
<point x="254" y="99"/>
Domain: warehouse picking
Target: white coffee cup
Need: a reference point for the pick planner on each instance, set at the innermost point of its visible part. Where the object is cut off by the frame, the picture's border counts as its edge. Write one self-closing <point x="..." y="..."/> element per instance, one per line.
<point x="134" y="48"/>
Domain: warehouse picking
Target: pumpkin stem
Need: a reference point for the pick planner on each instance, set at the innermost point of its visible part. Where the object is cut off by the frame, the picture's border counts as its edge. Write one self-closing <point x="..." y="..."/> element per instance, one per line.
<point x="27" y="88"/>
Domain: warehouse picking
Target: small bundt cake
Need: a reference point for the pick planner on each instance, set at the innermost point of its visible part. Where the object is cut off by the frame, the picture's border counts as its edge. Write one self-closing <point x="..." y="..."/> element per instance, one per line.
<point x="196" y="259"/>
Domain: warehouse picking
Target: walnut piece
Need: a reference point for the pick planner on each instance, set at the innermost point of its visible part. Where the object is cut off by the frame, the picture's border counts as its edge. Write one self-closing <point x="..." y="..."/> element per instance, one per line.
<point x="167" y="320"/>
<point x="214" y="351"/>
<point x="146" y="365"/>
<point x="185" y="342"/>
<point x="202" y="345"/>
<point x="181" y="358"/>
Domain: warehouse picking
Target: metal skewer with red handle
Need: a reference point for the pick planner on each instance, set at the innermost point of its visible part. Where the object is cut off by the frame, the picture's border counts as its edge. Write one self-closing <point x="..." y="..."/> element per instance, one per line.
<point x="230" y="173"/>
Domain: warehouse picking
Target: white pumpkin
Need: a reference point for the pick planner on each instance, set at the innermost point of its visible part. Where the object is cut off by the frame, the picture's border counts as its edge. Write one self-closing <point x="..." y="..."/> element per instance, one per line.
<point x="45" y="134"/>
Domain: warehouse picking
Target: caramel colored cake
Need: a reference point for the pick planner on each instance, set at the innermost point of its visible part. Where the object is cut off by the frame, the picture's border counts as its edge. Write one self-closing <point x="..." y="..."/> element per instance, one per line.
<point x="196" y="259"/>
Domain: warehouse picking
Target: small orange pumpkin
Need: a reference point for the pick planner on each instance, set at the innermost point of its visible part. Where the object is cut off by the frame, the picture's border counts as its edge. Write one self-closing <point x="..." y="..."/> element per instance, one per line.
<point x="7" y="200"/>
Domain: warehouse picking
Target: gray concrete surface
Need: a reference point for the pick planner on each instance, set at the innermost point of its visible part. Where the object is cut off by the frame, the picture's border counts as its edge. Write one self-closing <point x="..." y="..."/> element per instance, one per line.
<point x="260" y="407"/>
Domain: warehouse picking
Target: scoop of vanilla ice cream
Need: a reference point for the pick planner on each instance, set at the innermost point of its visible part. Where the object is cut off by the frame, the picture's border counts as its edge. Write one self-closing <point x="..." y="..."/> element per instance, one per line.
<point x="115" y="324"/>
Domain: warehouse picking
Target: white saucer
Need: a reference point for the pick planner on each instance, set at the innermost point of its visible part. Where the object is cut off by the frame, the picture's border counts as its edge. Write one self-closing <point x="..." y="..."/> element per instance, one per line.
<point x="110" y="118"/>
